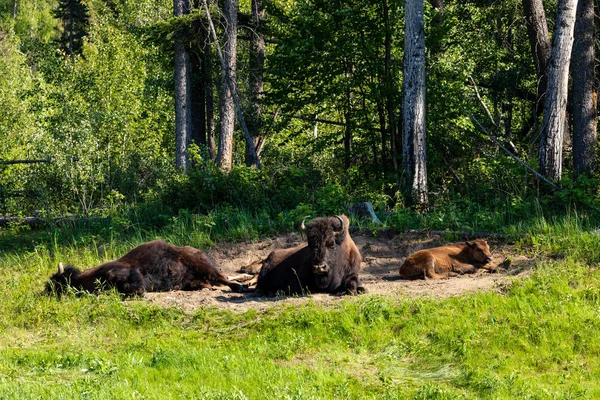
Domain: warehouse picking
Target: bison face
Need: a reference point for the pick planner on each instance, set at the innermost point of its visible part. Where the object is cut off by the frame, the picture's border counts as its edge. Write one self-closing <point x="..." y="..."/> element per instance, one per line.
<point x="324" y="236"/>
<point x="480" y="251"/>
<point x="62" y="279"/>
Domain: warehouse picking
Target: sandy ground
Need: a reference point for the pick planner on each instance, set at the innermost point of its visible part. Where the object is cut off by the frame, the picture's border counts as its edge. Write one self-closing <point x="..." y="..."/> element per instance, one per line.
<point x="382" y="257"/>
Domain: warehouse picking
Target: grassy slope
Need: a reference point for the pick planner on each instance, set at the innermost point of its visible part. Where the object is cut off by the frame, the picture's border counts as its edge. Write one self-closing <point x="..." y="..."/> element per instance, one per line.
<point x="536" y="340"/>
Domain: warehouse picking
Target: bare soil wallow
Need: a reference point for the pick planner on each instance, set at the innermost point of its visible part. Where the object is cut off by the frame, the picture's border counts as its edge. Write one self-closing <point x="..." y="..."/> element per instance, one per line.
<point x="382" y="257"/>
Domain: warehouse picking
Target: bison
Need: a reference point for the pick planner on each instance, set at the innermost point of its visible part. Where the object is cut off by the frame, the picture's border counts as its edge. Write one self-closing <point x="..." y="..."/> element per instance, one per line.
<point x="328" y="263"/>
<point x="156" y="266"/>
<point x="441" y="262"/>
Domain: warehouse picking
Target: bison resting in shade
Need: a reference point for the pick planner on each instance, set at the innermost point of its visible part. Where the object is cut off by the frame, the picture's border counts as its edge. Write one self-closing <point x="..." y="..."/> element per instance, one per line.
<point x="155" y="266"/>
<point x="328" y="263"/>
<point x="441" y="262"/>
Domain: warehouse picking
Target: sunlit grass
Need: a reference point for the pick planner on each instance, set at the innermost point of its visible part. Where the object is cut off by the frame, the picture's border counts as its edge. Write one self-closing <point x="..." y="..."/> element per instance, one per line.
<point x="536" y="338"/>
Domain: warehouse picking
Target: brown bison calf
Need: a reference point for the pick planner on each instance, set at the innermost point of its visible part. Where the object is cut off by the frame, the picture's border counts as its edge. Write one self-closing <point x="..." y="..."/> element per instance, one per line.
<point x="155" y="266"/>
<point x="441" y="262"/>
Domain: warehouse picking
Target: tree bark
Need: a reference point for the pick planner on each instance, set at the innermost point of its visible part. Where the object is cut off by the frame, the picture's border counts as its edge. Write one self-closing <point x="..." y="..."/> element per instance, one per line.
<point x="198" y="102"/>
<point x="539" y="41"/>
<point x="228" y="84"/>
<point x="256" y="84"/>
<point x="381" y="114"/>
<point x="207" y="78"/>
<point x="389" y="89"/>
<point x="413" y="106"/>
<point x="555" y="108"/>
<point x="584" y="91"/>
<point x="183" y="125"/>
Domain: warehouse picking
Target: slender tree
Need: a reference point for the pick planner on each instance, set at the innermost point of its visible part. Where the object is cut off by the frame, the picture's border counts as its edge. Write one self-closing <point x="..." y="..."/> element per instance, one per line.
<point x="207" y="79"/>
<point x="553" y="124"/>
<point x="413" y="105"/>
<point x="183" y="123"/>
<point x="390" y="105"/>
<point x="539" y="42"/>
<point x="198" y="91"/>
<point x="256" y="78"/>
<point x="584" y="92"/>
<point x="228" y="84"/>
<point x="75" y="18"/>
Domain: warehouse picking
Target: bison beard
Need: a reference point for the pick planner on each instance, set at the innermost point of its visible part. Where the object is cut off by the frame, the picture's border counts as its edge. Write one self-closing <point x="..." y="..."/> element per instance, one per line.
<point x="329" y="263"/>
<point x="155" y="266"/>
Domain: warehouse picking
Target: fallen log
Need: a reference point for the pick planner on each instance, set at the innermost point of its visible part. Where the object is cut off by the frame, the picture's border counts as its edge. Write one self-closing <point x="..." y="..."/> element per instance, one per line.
<point x="39" y="221"/>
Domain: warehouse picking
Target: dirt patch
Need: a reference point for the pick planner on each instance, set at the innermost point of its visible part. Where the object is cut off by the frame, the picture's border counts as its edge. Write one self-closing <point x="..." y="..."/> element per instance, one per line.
<point x="382" y="257"/>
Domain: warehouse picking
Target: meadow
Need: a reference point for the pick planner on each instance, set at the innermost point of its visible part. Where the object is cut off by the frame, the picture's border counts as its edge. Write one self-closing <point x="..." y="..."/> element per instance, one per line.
<point x="535" y="338"/>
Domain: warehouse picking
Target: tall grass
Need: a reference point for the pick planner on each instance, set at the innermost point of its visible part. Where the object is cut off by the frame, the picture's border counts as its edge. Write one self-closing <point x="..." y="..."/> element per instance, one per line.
<point x="536" y="338"/>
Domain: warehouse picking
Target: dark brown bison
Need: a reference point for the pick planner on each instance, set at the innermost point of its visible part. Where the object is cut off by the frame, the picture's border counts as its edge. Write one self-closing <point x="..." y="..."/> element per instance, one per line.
<point x="441" y="262"/>
<point x="155" y="266"/>
<point x="328" y="263"/>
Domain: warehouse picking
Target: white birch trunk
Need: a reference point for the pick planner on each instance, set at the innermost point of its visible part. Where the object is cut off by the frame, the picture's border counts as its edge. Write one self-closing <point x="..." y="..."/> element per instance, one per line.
<point x="228" y="83"/>
<point x="555" y="108"/>
<point x="413" y="105"/>
<point x="183" y="123"/>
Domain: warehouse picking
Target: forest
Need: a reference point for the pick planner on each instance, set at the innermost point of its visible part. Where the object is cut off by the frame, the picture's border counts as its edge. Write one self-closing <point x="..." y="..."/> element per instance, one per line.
<point x="125" y="107"/>
<point x="222" y="125"/>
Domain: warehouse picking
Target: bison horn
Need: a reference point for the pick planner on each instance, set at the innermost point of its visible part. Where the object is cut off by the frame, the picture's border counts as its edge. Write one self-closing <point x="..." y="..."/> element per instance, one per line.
<point x="61" y="269"/>
<point x="302" y="226"/>
<point x="341" y="225"/>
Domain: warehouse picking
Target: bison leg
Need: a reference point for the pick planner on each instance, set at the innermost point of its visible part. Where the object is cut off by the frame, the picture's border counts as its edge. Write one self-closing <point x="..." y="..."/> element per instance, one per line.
<point x="429" y="270"/>
<point x="352" y="287"/>
<point x="463" y="268"/>
<point x="234" y="286"/>
<point x="127" y="280"/>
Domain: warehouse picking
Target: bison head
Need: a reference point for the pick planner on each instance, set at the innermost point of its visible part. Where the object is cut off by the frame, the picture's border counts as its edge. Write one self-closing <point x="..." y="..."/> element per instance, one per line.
<point x="480" y="251"/>
<point x="324" y="235"/>
<point x="62" y="279"/>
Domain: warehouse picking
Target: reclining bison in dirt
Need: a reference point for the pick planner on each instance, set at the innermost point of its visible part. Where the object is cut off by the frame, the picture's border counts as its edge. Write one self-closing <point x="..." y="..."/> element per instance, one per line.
<point x="155" y="266"/>
<point x="328" y="263"/>
<point x="450" y="260"/>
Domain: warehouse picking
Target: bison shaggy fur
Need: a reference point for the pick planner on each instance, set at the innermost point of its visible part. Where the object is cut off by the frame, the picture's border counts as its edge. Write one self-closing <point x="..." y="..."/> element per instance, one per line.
<point x="441" y="262"/>
<point x="328" y="263"/>
<point x="156" y="266"/>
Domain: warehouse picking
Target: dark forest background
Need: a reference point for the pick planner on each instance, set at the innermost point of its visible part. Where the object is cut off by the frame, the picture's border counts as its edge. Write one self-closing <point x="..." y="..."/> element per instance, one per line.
<point x="91" y="94"/>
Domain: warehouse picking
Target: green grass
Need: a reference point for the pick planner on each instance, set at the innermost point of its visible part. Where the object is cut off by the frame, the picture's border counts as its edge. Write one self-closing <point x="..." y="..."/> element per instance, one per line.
<point x="535" y="339"/>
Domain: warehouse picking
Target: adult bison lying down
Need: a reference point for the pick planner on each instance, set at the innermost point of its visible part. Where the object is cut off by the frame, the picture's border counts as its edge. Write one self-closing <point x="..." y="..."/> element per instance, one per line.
<point x="155" y="266"/>
<point x="328" y="263"/>
<point x="441" y="262"/>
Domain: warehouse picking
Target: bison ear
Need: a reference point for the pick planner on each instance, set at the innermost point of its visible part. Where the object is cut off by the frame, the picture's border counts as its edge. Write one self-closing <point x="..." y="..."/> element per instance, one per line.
<point x="471" y="244"/>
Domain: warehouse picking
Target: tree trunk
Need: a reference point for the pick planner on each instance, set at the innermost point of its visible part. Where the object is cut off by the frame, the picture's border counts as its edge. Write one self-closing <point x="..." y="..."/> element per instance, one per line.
<point x="389" y="89"/>
<point x="228" y="84"/>
<point x="555" y="108"/>
<point x="382" y="128"/>
<point x="539" y="41"/>
<point x="207" y="79"/>
<point x="584" y="90"/>
<point x="348" y="121"/>
<point x="183" y="124"/>
<point x="198" y="102"/>
<point x="257" y="65"/>
<point x="413" y="106"/>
